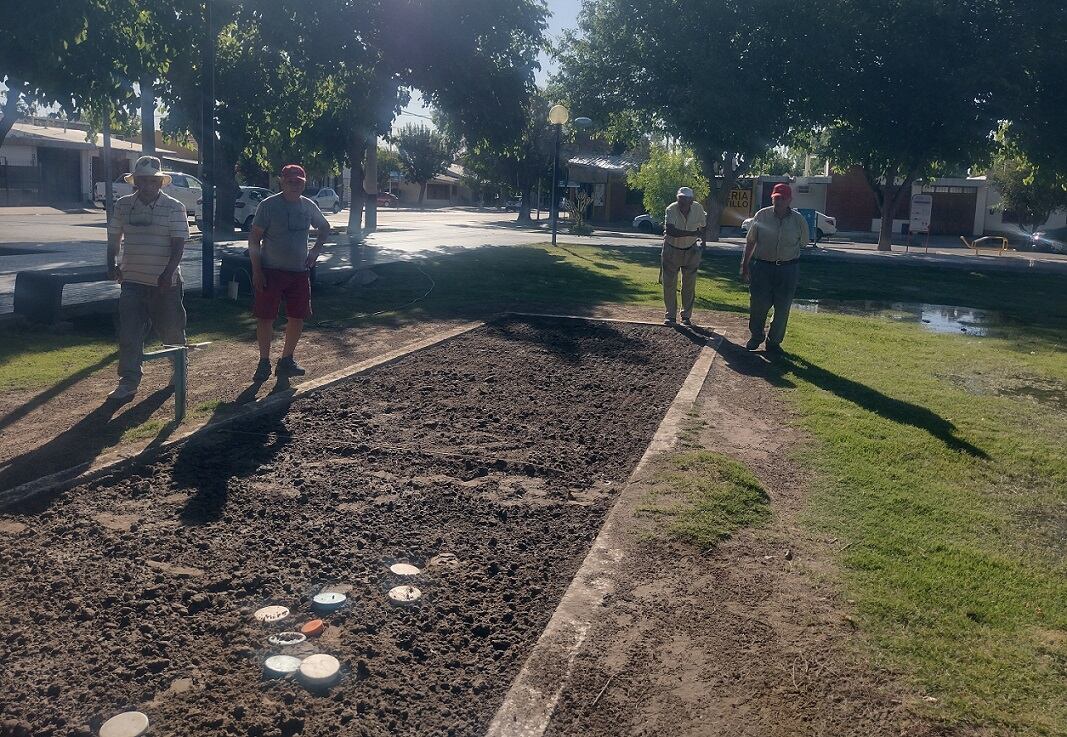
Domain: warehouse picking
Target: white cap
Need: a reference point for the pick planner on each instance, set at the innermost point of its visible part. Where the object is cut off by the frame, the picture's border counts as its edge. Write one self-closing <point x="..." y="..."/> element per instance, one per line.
<point x="685" y="192"/>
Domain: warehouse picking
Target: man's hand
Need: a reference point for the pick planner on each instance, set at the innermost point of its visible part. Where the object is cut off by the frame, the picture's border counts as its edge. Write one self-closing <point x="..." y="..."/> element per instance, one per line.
<point x="259" y="280"/>
<point x="166" y="279"/>
<point x="746" y="275"/>
<point x="114" y="272"/>
<point x="313" y="256"/>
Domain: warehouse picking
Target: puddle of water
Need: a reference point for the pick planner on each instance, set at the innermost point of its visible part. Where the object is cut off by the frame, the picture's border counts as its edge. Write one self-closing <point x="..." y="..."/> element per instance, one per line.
<point x="935" y="318"/>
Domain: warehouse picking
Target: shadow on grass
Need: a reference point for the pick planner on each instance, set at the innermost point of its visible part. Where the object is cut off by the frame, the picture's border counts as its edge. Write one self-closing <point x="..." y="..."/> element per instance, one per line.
<point x="784" y="369"/>
<point x="55" y="390"/>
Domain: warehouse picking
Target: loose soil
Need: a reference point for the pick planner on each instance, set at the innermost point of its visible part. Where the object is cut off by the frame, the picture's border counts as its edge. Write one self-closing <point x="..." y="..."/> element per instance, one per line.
<point x="489" y="461"/>
<point x="747" y="638"/>
<point x="72" y="423"/>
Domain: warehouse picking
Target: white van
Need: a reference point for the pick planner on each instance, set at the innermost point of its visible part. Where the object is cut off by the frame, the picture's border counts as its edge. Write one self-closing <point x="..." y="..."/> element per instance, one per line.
<point x="183" y="187"/>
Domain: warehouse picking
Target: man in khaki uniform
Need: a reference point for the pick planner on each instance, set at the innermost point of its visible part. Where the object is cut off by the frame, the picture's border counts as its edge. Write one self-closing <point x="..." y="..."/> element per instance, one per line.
<point x="685" y="222"/>
<point x="771" y="266"/>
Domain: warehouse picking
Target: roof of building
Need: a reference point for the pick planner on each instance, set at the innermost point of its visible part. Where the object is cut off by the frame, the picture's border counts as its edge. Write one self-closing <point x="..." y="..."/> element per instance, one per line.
<point x="57" y="135"/>
<point x="605" y="162"/>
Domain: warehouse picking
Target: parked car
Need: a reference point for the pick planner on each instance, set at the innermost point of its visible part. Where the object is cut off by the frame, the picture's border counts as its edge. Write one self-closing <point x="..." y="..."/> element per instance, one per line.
<point x="244" y="210"/>
<point x="388" y="199"/>
<point x="646" y="224"/>
<point x="327" y="199"/>
<point x="183" y="187"/>
<point x="513" y="204"/>
<point x="1052" y="241"/>
<point x="824" y="225"/>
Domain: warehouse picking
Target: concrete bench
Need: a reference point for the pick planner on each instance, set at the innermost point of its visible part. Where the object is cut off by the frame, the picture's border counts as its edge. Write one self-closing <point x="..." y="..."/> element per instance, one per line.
<point x="39" y="294"/>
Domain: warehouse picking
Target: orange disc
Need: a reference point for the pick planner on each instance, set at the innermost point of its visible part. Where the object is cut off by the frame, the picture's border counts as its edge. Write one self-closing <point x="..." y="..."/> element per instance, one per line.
<point x="313" y="628"/>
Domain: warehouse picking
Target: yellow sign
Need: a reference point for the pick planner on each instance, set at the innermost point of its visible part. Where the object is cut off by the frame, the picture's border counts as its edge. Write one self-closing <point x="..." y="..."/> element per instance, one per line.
<point x="740" y="199"/>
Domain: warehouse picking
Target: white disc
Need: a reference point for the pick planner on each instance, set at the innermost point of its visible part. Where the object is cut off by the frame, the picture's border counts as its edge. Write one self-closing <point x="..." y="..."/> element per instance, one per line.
<point x="286" y="638"/>
<point x="281" y="665"/>
<point x="404" y="595"/>
<point x="271" y="614"/>
<point x="126" y="724"/>
<point x="404" y="569"/>
<point x="319" y="669"/>
<point x="329" y="600"/>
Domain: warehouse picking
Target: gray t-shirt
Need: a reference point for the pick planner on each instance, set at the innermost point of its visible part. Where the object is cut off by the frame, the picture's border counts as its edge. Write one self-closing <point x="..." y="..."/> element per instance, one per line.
<point x="285" y="231"/>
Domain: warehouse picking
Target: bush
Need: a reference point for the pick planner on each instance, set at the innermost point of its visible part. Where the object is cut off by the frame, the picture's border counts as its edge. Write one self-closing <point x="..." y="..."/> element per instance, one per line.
<point x="661" y="176"/>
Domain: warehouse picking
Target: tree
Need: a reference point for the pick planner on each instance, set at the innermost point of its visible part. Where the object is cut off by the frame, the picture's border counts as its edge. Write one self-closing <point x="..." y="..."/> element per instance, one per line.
<point x="727" y="86"/>
<point x="423" y="153"/>
<point x="660" y="177"/>
<point x="1032" y="192"/>
<point x="926" y="89"/>
<point x="388" y="162"/>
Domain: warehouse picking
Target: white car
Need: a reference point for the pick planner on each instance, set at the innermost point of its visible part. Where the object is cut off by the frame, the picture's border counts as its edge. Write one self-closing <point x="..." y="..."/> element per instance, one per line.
<point x="646" y="224"/>
<point x="824" y="225"/>
<point x="244" y="210"/>
<point x="183" y="187"/>
<point x="327" y="199"/>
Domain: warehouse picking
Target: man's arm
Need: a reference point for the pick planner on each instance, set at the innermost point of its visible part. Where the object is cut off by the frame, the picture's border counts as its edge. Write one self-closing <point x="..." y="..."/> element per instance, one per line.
<point x="255" y="243"/>
<point x="750" y="248"/>
<point x="322" y="226"/>
<point x="114" y="240"/>
<point x="179" y="233"/>
<point x="674" y="232"/>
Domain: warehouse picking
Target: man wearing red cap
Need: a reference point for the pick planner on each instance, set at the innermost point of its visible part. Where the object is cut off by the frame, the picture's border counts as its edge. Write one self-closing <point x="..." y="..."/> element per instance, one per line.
<point x="771" y="266"/>
<point x="278" y="248"/>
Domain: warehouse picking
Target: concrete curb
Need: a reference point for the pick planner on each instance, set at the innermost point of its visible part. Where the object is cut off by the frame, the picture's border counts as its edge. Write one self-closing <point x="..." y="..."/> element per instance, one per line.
<point x="88" y="471"/>
<point x="531" y="701"/>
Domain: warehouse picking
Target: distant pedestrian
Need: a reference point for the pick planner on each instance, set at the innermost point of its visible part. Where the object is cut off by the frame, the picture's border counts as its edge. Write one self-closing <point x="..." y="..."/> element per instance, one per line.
<point x="281" y="262"/>
<point x="685" y="222"/>
<point x="149" y="228"/>
<point x="771" y="266"/>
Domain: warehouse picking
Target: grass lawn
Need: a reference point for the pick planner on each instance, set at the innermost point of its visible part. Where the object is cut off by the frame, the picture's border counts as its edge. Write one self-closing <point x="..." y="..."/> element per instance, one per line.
<point x="939" y="460"/>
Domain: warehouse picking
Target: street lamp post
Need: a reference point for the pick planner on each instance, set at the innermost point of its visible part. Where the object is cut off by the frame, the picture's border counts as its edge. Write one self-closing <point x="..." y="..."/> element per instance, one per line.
<point x="557" y="116"/>
<point x="207" y="155"/>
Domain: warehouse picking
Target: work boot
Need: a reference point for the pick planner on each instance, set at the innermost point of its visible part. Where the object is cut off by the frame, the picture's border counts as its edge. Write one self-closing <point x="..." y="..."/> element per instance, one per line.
<point x="687" y="321"/>
<point x="262" y="370"/>
<point x="774" y="349"/>
<point x="124" y="392"/>
<point x="287" y="366"/>
<point x="669" y="320"/>
<point x="753" y="343"/>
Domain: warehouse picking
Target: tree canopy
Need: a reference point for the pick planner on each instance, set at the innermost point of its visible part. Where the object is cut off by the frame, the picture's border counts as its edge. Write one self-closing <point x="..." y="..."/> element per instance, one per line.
<point x="660" y="177"/>
<point x="424" y="153"/>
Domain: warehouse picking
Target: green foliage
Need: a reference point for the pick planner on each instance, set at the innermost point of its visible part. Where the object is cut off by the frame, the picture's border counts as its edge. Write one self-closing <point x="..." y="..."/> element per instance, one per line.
<point x="1032" y="192"/>
<point x="424" y="153"/>
<point x="777" y="161"/>
<point x="703" y="497"/>
<point x="388" y="161"/>
<point x="660" y="177"/>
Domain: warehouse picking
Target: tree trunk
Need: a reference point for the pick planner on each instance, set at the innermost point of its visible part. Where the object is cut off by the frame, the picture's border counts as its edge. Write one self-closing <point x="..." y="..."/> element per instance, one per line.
<point x="524" y="205"/>
<point x="719" y="189"/>
<point x="11" y="108"/>
<point x="422" y="193"/>
<point x="356" y="196"/>
<point x="148" y="116"/>
<point x="226" y="189"/>
<point x="889" y="201"/>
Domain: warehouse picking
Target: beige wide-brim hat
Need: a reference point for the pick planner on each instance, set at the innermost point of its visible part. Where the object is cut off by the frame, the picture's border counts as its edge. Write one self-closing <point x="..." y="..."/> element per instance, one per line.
<point x="148" y="166"/>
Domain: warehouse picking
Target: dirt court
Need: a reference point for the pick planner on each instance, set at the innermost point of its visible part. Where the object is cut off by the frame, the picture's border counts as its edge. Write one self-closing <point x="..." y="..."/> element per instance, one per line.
<point x="488" y="461"/>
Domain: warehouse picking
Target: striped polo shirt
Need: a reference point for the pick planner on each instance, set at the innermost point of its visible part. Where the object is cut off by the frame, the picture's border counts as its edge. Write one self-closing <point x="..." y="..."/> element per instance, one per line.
<point x="146" y="234"/>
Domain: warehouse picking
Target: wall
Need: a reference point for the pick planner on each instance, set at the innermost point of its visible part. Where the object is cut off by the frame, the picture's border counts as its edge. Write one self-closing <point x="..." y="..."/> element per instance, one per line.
<point x="851" y="201"/>
<point x="992" y="217"/>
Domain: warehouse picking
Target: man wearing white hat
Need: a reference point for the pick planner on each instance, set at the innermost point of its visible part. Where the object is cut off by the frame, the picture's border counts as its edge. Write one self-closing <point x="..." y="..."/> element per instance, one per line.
<point x="685" y="222"/>
<point x="149" y="229"/>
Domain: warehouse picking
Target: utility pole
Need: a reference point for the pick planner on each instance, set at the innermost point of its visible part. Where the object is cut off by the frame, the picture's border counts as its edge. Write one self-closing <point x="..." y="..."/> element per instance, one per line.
<point x="207" y="155"/>
<point x="148" y="116"/>
<point x="370" y="186"/>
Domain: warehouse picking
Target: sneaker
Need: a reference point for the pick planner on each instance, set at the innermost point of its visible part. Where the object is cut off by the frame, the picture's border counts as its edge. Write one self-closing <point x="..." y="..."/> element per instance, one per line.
<point x="687" y="321"/>
<point x="669" y="321"/>
<point x="287" y="366"/>
<point x="262" y="370"/>
<point x="124" y="392"/>
<point x="753" y="344"/>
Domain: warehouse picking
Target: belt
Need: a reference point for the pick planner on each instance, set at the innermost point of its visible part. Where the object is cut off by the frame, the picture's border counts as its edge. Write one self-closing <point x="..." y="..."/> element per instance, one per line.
<point x="778" y="263"/>
<point x="676" y="248"/>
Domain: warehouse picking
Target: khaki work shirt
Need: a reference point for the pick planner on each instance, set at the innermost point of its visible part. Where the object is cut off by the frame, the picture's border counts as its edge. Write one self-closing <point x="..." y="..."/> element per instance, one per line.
<point x="696" y="220"/>
<point x="779" y="239"/>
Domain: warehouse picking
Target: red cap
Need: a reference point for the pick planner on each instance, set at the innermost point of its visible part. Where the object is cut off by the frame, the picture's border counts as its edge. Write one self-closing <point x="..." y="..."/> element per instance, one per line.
<point x="294" y="171"/>
<point x="782" y="190"/>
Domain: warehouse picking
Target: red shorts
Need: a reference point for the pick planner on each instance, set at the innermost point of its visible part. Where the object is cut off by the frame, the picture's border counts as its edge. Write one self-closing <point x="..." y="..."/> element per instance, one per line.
<point x="292" y="286"/>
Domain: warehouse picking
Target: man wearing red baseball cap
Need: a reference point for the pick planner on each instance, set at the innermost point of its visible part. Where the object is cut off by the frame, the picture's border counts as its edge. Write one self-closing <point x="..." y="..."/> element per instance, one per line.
<point x="771" y="266"/>
<point x="281" y="262"/>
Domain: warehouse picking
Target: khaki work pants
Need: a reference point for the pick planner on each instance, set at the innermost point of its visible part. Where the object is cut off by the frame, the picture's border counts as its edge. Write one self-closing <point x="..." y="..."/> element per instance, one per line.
<point x="687" y="261"/>
<point x="142" y="307"/>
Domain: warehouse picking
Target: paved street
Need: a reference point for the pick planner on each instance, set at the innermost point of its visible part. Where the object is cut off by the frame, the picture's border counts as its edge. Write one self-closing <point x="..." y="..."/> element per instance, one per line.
<point x="46" y="238"/>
